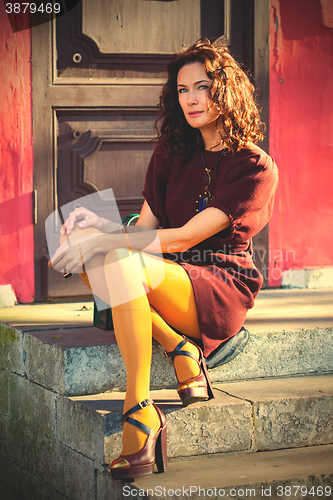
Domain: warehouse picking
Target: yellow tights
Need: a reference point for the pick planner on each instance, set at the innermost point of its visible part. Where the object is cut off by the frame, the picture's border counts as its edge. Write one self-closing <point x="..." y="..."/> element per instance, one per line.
<point x="143" y="311"/>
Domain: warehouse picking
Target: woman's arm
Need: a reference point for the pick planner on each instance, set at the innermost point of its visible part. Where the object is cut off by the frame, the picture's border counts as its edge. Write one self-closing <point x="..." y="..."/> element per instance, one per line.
<point x="143" y="238"/>
<point x="147" y="218"/>
<point x="203" y="225"/>
<point x="89" y="219"/>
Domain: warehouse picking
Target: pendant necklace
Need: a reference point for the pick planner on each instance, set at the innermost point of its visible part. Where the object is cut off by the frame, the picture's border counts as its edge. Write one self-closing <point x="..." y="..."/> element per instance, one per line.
<point x="205" y="197"/>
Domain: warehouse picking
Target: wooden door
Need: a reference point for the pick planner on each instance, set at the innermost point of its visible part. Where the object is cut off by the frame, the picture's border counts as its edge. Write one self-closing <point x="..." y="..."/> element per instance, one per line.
<point x="96" y="84"/>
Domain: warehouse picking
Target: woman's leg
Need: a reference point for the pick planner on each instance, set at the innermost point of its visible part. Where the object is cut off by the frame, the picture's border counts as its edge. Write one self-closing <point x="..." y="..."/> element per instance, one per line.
<point x="173" y="303"/>
<point x="133" y="320"/>
<point x="93" y="276"/>
<point x="185" y="367"/>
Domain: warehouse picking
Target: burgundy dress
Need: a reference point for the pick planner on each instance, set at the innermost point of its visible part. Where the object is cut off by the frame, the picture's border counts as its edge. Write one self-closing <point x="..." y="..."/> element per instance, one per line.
<point x="224" y="279"/>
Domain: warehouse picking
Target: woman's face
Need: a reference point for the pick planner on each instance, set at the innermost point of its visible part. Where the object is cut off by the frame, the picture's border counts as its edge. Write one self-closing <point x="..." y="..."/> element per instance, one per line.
<point x="193" y="87"/>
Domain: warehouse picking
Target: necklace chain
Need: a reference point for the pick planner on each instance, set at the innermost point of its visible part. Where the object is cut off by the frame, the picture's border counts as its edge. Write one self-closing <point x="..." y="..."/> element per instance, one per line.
<point x="218" y="160"/>
<point x="206" y="196"/>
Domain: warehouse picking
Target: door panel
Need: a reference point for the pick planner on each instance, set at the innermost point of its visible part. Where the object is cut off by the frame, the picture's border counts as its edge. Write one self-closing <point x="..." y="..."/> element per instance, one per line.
<point x="124" y="38"/>
<point x="99" y="78"/>
<point x="172" y="25"/>
<point x="98" y="149"/>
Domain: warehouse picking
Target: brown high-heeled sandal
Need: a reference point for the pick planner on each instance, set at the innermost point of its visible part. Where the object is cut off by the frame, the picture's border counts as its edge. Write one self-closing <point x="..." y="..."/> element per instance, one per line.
<point x="196" y="388"/>
<point x="154" y="450"/>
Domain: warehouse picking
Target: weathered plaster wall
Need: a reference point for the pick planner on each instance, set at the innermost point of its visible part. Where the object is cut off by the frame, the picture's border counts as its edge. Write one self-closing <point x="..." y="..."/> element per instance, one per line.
<point x="16" y="161"/>
<point x="301" y="134"/>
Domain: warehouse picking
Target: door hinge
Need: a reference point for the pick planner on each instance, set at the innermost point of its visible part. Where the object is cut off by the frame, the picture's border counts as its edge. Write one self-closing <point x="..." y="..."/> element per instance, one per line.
<point x="34" y="207"/>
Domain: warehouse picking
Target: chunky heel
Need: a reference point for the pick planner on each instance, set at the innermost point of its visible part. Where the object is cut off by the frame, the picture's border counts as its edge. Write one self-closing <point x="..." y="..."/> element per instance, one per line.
<point x="209" y="384"/>
<point x="154" y="451"/>
<point x="161" y="451"/>
<point x="197" y="388"/>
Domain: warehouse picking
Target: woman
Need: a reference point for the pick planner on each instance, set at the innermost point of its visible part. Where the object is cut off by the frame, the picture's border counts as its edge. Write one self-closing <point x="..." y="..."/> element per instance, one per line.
<point x="209" y="126"/>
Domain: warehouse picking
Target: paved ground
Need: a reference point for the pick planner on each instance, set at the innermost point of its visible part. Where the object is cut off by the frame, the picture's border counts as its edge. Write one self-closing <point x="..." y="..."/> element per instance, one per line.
<point x="282" y="309"/>
<point x="275" y="310"/>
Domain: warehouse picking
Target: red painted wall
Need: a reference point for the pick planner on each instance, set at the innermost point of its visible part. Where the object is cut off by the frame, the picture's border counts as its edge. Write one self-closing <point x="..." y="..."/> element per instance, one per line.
<point x="16" y="161"/>
<point x="301" y="134"/>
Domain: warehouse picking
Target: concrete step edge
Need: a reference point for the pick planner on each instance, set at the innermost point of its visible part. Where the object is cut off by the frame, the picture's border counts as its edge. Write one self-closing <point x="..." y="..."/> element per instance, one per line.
<point x="244" y="416"/>
<point x="96" y="368"/>
<point x="269" y="474"/>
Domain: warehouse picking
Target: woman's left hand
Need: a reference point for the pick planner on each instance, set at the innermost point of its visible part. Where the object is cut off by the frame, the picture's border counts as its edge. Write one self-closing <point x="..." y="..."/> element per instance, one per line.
<point x="73" y="254"/>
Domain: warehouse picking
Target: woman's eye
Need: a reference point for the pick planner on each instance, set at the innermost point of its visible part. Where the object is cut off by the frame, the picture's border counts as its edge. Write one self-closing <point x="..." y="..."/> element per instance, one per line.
<point x="181" y="91"/>
<point x="203" y="87"/>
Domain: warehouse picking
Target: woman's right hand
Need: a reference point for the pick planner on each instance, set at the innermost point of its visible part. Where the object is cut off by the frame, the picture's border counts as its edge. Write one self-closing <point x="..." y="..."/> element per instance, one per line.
<point x="90" y="219"/>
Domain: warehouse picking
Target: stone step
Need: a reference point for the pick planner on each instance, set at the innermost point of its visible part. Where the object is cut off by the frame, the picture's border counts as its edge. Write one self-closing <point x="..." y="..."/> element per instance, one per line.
<point x="57" y="447"/>
<point x="244" y="416"/>
<point x="86" y="360"/>
<point x="291" y="473"/>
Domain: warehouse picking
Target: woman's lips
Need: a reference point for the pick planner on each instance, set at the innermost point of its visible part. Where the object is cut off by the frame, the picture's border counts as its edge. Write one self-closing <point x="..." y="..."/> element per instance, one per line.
<point x="195" y="113"/>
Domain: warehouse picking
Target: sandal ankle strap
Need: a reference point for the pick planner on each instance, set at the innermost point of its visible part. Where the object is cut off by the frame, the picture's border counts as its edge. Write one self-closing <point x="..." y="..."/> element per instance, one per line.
<point x="177" y="351"/>
<point x="139" y="406"/>
<point x="139" y="425"/>
<point x="136" y="423"/>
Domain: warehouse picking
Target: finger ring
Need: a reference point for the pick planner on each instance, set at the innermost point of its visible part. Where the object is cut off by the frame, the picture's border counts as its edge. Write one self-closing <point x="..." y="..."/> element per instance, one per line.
<point x="67" y="274"/>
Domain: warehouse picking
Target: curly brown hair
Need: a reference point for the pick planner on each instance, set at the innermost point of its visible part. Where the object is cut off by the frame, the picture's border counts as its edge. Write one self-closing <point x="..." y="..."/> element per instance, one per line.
<point x="231" y="91"/>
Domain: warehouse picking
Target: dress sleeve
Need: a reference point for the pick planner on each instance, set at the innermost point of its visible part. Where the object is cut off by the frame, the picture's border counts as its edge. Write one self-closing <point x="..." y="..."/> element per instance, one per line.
<point x="247" y="195"/>
<point x="156" y="183"/>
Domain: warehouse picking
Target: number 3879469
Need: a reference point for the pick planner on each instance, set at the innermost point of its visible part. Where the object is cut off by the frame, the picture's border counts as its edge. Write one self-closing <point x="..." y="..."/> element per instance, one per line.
<point x="18" y="8"/>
